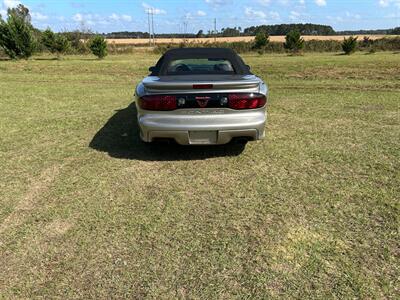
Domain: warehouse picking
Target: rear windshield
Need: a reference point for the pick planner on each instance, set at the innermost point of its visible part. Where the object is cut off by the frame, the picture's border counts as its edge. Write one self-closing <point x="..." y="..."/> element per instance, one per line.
<point x="200" y="66"/>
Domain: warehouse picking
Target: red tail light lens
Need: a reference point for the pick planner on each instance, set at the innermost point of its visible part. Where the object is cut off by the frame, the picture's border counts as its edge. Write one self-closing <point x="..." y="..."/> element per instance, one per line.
<point x="246" y="101"/>
<point x="158" y="102"/>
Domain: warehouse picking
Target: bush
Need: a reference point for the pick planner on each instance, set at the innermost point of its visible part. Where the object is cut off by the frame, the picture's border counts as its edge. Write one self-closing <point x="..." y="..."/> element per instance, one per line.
<point x="322" y="46"/>
<point x="62" y="44"/>
<point x="387" y="44"/>
<point x="294" y="41"/>
<point x="55" y="42"/>
<point x="16" y="36"/>
<point x="161" y="49"/>
<point x="48" y="39"/>
<point x="367" y="42"/>
<point x="76" y="39"/>
<point x="98" y="46"/>
<point x="261" y="40"/>
<point x="349" y="45"/>
<point x="384" y="44"/>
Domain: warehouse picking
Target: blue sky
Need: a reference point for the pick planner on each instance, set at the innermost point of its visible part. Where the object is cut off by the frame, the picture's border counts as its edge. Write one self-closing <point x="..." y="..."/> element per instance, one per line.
<point x="169" y="15"/>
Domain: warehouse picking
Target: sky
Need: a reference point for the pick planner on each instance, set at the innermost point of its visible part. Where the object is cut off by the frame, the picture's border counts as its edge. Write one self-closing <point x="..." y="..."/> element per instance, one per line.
<point x="171" y="15"/>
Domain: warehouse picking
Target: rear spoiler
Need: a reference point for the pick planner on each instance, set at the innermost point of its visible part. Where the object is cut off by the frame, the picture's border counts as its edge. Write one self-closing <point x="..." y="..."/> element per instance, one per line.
<point x="160" y="86"/>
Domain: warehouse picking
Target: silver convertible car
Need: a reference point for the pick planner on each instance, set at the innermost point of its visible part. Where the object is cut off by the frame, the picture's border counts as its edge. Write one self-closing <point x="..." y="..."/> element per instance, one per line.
<point x="201" y="96"/>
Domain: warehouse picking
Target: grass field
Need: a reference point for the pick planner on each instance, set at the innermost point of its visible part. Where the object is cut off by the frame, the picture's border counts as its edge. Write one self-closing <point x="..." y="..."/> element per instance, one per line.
<point x="275" y="38"/>
<point x="87" y="211"/>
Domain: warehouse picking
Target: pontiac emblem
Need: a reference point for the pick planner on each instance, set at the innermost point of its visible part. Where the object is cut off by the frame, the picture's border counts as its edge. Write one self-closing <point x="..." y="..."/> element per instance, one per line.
<point x="202" y="100"/>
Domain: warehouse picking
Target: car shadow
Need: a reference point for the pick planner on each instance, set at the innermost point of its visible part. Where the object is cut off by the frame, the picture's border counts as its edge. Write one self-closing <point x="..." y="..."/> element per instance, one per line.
<point x="119" y="137"/>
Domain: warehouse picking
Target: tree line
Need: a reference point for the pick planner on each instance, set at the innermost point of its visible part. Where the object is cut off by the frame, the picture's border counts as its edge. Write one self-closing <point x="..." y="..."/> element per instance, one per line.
<point x="280" y="29"/>
<point x="19" y="39"/>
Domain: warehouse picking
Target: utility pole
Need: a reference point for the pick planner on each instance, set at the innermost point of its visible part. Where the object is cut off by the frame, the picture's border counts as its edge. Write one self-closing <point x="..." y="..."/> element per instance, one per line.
<point x="185" y="23"/>
<point x="152" y="26"/>
<point x="215" y="29"/>
<point x="148" y="21"/>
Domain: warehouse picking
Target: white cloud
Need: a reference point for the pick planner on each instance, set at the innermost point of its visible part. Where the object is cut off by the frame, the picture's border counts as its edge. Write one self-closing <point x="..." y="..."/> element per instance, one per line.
<point x="77" y="17"/>
<point x="264" y="2"/>
<point x="95" y="19"/>
<point x="260" y="16"/>
<point x="352" y="16"/>
<point x="11" y="3"/>
<point x="198" y="13"/>
<point x="294" y="15"/>
<point x="387" y="3"/>
<point x="126" y="18"/>
<point x="216" y="3"/>
<point x="6" y="4"/>
<point x="251" y="13"/>
<point x="88" y="18"/>
<point x="320" y="2"/>
<point x="38" y="16"/>
<point x="337" y="19"/>
<point x="298" y="16"/>
<point x="114" y="17"/>
<point x="302" y="2"/>
<point x="156" y="11"/>
<point x="274" y="16"/>
<point x="346" y="17"/>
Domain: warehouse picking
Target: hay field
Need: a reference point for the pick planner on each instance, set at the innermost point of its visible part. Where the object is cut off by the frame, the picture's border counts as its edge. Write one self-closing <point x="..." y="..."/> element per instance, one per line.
<point x="280" y="38"/>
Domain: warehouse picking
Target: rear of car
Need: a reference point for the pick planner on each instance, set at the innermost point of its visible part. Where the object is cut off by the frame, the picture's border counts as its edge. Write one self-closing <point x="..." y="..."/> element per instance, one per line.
<point x="201" y="96"/>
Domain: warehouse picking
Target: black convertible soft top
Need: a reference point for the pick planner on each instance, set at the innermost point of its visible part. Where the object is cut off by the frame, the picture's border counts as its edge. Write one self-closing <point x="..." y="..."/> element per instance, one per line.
<point x="186" y="53"/>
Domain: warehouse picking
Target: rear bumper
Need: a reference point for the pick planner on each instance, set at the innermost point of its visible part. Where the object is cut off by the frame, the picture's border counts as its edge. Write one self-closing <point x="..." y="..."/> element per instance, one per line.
<point x="188" y="127"/>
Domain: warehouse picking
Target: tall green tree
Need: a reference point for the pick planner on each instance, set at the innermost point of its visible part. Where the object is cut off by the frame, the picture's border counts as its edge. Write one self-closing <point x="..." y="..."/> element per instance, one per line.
<point x="261" y="40"/>
<point x="349" y="45"/>
<point x="55" y="42"/>
<point x="98" y="46"/>
<point x="294" y="41"/>
<point x="16" y="33"/>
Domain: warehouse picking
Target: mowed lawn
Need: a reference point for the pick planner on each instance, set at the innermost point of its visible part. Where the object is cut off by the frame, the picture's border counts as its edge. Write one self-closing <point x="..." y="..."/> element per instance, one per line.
<point x="88" y="211"/>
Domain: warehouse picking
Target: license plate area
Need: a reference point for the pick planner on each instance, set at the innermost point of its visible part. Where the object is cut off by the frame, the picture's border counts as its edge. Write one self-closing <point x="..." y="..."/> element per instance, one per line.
<point x="201" y="100"/>
<point x="203" y="137"/>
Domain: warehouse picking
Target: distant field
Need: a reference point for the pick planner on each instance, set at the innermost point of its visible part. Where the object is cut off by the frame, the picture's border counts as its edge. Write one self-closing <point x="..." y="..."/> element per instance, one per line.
<point x="87" y="211"/>
<point x="228" y="39"/>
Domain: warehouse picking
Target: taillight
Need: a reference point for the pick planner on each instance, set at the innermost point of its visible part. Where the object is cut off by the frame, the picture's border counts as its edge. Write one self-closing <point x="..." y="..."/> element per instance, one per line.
<point x="158" y="102"/>
<point x="246" y="101"/>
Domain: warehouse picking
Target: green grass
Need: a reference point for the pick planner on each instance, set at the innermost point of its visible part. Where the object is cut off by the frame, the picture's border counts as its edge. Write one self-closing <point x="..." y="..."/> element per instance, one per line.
<point x="87" y="211"/>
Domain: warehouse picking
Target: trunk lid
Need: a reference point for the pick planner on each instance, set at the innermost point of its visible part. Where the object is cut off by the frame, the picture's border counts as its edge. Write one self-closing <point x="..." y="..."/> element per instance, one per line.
<point x="185" y="83"/>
